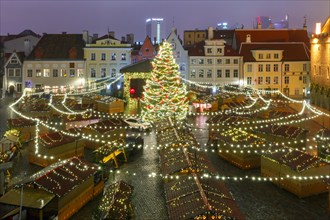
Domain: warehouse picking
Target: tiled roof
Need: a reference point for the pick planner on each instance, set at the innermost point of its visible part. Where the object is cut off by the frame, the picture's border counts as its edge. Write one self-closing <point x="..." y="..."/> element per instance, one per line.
<point x="55" y="139"/>
<point x="106" y="36"/>
<point x="291" y="51"/>
<point x="63" y="176"/>
<point x="59" y="47"/>
<point x="198" y="50"/>
<point x="285" y="131"/>
<point x="294" y="159"/>
<point x="272" y="35"/>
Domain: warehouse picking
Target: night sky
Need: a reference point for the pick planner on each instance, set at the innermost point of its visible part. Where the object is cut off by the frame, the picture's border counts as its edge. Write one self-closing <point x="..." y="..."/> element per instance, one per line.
<point x="123" y="17"/>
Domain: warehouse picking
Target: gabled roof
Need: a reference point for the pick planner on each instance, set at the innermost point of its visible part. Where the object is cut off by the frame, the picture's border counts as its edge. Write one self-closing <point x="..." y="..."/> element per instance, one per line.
<point x="272" y="35"/>
<point x="19" y="55"/>
<point x="106" y="36"/>
<point x="291" y="51"/>
<point x="62" y="177"/>
<point x="59" y="47"/>
<point x="326" y="26"/>
<point x="143" y="66"/>
<point x="24" y="33"/>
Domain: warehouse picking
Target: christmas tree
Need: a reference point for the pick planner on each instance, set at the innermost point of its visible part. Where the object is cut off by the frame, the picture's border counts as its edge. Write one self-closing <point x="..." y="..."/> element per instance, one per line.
<point x="164" y="94"/>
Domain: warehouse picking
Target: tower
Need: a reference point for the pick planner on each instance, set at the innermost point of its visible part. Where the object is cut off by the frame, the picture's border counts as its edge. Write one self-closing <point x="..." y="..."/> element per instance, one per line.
<point x="155" y="29"/>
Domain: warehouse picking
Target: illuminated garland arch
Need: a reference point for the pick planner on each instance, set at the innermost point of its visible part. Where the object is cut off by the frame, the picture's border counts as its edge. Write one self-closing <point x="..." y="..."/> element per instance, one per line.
<point x="127" y="81"/>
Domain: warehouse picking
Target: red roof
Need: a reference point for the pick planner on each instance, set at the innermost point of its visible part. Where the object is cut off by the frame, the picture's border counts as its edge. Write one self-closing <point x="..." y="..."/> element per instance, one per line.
<point x="55" y="139"/>
<point x="62" y="177"/>
<point x="291" y="51"/>
<point x="272" y="35"/>
<point x="20" y="122"/>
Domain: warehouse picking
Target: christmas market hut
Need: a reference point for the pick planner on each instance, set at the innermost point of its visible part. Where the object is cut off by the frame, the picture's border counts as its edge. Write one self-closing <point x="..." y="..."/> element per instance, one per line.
<point x="296" y="171"/>
<point x="110" y="105"/>
<point x="58" y="190"/>
<point x="55" y="146"/>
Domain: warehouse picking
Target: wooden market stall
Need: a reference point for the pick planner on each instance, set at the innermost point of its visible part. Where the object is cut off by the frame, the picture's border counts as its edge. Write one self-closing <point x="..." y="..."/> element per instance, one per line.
<point x="59" y="190"/>
<point x="57" y="146"/>
<point x="108" y="104"/>
<point x="292" y="169"/>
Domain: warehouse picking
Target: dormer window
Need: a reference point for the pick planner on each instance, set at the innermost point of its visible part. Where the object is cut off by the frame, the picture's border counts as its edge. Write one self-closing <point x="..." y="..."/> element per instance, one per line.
<point x="13" y="60"/>
<point x="261" y="56"/>
<point x="275" y="55"/>
<point x="268" y="56"/>
<point x="209" y="50"/>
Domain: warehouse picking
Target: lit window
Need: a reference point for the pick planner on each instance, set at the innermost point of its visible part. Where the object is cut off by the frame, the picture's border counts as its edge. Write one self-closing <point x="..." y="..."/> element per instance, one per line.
<point x="38" y="73"/>
<point x="63" y="73"/>
<point x="46" y="72"/>
<point x="201" y="61"/>
<point x="80" y="72"/>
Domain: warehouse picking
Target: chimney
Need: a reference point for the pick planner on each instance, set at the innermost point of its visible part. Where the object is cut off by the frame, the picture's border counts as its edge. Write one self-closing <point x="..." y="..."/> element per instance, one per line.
<point x="85" y="36"/>
<point x="210" y="33"/>
<point x="259" y="25"/>
<point x="248" y="38"/>
<point x="27" y="47"/>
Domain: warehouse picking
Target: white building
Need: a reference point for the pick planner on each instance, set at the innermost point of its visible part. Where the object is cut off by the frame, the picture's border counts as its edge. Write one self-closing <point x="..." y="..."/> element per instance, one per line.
<point x="179" y="53"/>
<point x="56" y="64"/>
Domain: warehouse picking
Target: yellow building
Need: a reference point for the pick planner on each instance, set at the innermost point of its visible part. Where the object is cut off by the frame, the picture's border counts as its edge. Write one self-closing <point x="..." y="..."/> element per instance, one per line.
<point x="320" y="66"/>
<point x="105" y="57"/>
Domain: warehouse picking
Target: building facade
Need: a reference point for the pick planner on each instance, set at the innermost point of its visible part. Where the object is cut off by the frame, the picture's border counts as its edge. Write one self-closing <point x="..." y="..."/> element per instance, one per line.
<point x="56" y="64"/>
<point x="320" y="67"/>
<point x="179" y="53"/>
<point x="12" y="79"/>
<point x="214" y="62"/>
<point x="143" y="52"/>
<point x="105" y="57"/>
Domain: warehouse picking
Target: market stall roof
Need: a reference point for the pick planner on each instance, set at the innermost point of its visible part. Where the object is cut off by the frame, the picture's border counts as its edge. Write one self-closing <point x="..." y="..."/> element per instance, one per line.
<point x="32" y="198"/>
<point x="107" y="125"/>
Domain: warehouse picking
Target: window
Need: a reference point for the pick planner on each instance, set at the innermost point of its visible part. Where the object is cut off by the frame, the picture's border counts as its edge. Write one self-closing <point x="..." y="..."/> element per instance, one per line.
<point x="235" y="61"/>
<point x="267" y="67"/>
<point x="19" y="87"/>
<point x="38" y="73"/>
<point x="103" y="56"/>
<point x="304" y="79"/>
<point x="193" y="61"/>
<point x="286" y="67"/>
<point x="11" y="72"/>
<point x="29" y="73"/>
<point x="304" y="67"/>
<point x="13" y="60"/>
<point x="80" y="72"/>
<point x="275" y="67"/>
<point x="182" y="67"/>
<point x="261" y="56"/>
<point x="55" y="72"/>
<point x="268" y="56"/>
<point x="113" y="56"/>
<point x="219" y="50"/>
<point x="123" y="56"/>
<point x="201" y="73"/>
<point x="113" y="72"/>
<point x="260" y="68"/>
<point x="249" y="68"/>
<point x="249" y="80"/>
<point x="92" y="56"/>
<point x="17" y="72"/>
<point x="219" y="73"/>
<point x="286" y="80"/>
<point x="46" y="72"/>
<point x="71" y="65"/>
<point x="209" y="50"/>
<point x="275" y="55"/>
<point x="72" y="72"/>
<point x="227" y="61"/>
<point x="209" y="73"/>
<point x="193" y="74"/>
<point x="236" y="73"/>
<point x="63" y="73"/>
<point x="103" y="72"/>
<point x="260" y="79"/>
<point x="200" y="61"/>
<point x="93" y="73"/>
<point x="227" y="73"/>
<point x="209" y="61"/>
<point x="267" y="80"/>
<point x="219" y="61"/>
<point x="275" y="80"/>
